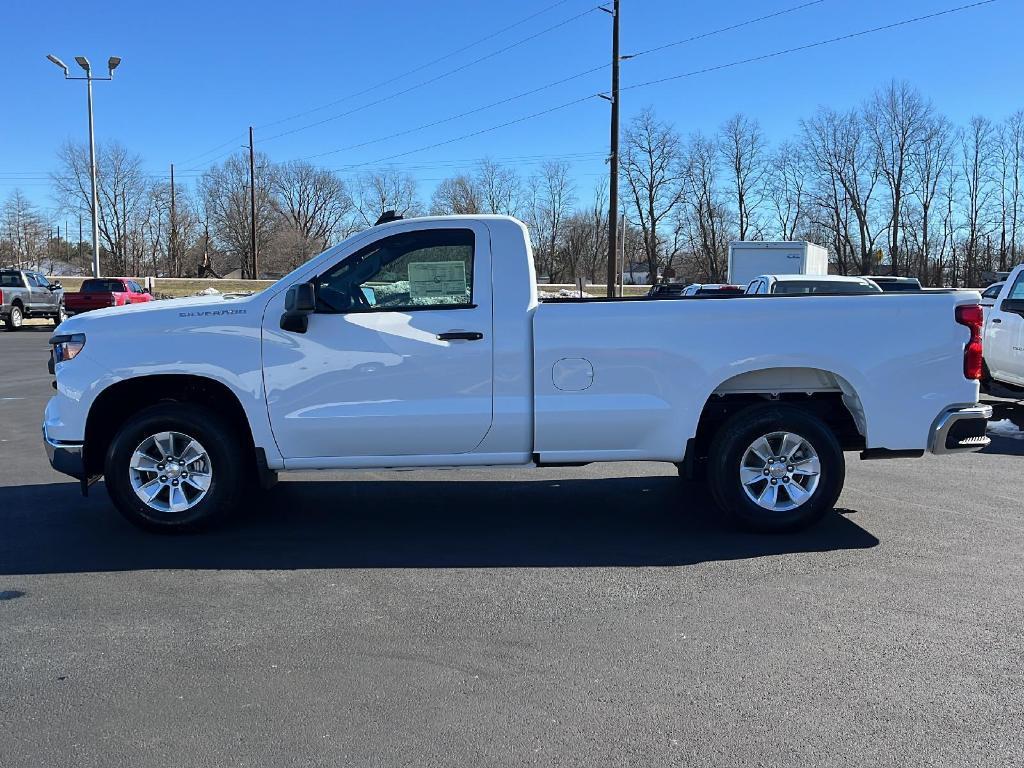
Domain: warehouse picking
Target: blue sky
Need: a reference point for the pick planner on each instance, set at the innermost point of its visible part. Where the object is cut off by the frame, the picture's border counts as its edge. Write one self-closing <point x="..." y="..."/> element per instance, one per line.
<point x="196" y="74"/>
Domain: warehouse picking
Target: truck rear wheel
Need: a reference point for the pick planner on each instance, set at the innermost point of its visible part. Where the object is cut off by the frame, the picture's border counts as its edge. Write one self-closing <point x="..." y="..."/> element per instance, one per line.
<point x="174" y="467"/>
<point x="775" y="468"/>
<point x="15" y="318"/>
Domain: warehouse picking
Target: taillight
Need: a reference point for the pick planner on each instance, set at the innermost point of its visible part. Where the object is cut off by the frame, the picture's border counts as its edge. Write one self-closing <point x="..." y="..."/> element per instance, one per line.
<point x="1" y="296"/>
<point x="973" y="317"/>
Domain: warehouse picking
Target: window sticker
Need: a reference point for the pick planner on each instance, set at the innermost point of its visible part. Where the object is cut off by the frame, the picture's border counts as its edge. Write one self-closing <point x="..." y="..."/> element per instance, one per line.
<point x="434" y="279"/>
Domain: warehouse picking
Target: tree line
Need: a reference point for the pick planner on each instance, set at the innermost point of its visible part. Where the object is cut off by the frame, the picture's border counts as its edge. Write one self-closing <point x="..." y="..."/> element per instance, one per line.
<point x="890" y="185"/>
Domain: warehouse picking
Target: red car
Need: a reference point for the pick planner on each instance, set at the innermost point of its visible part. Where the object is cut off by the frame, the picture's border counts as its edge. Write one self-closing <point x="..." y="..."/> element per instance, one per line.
<point x="100" y="292"/>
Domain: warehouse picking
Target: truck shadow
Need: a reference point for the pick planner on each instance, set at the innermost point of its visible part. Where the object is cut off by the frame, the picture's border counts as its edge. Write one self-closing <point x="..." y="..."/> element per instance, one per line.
<point x="1006" y="427"/>
<point x="647" y="521"/>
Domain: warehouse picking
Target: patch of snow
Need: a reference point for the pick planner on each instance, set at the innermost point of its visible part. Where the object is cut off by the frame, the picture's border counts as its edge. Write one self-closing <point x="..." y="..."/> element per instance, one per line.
<point x="211" y="291"/>
<point x="1005" y="428"/>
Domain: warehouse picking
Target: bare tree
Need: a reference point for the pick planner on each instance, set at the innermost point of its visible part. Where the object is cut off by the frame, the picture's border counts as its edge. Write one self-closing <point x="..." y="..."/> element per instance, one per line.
<point x="651" y="164"/>
<point x="976" y="164"/>
<point x="742" y="148"/>
<point x="1009" y="143"/>
<point x="312" y="203"/>
<point x="929" y="170"/>
<point x="786" y="187"/>
<point x="225" y="192"/>
<point x="22" y="232"/>
<point x="841" y="151"/>
<point x="500" y="188"/>
<point x="385" y="190"/>
<point x="896" y="118"/>
<point x="456" y="195"/>
<point x="704" y="216"/>
<point x="123" y="194"/>
<point x="552" y="195"/>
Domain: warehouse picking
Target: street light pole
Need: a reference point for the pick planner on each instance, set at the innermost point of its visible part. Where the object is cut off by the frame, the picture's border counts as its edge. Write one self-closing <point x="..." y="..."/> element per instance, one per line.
<point x="83" y="62"/>
<point x="92" y="175"/>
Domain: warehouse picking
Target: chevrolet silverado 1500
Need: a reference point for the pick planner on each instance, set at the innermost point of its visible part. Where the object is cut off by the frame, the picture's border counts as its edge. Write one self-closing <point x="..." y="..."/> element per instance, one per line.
<point x="25" y="294"/>
<point x="1004" y="332"/>
<point x="421" y="343"/>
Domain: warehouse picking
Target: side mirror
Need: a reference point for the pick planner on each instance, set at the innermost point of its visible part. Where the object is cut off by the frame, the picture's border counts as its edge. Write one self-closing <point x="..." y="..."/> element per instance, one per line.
<point x="55" y="286"/>
<point x="145" y="290"/>
<point x="299" y="304"/>
<point x="1014" y="306"/>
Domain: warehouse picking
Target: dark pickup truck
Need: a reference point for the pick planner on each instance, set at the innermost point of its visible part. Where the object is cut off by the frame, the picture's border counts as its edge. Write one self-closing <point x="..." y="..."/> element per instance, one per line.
<point x="25" y="294"/>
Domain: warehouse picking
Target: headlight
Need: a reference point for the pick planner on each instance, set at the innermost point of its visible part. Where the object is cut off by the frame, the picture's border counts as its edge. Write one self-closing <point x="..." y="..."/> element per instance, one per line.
<point x="67" y="347"/>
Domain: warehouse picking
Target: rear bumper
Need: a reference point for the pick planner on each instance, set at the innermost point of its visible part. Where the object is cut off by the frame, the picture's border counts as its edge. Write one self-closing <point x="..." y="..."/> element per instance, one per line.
<point x="960" y="430"/>
<point x="65" y="457"/>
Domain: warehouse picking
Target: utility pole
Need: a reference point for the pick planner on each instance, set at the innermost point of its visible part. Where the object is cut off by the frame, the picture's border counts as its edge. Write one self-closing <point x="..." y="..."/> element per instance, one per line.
<point x="613" y="157"/>
<point x="67" y="241"/>
<point x="78" y="250"/>
<point x="252" y="208"/>
<point x="171" y="239"/>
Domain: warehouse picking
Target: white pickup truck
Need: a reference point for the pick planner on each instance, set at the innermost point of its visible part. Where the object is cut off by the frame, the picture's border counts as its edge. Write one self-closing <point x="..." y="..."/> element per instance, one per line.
<point x="1004" y="333"/>
<point x="421" y="343"/>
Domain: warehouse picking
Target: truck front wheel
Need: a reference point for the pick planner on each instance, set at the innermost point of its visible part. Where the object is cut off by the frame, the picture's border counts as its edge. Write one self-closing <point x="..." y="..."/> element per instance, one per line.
<point x="174" y="467"/>
<point x="775" y="468"/>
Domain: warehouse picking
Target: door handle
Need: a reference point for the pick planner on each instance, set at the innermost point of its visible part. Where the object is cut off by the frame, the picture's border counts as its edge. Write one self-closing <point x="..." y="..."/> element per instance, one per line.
<point x="996" y="320"/>
<point x="460" y="336"/>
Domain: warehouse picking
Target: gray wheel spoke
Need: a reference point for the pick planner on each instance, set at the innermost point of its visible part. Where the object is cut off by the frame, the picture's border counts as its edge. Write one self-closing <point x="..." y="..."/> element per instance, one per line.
<point x="807" y="467"/>
<point x="143" y="462"/>
<point x="151" y="489"/>
<point x="178" y="501"/>
<point x="192" y="453"/>
<point x="790" y="443"/>
<point x="198" y="480"/>
<point x="750" y="475"/>
<point x="164" y="443"/>
<point x="797" y="492"/>
<point x="761" y="449"/>
<point x="769" y="496"/>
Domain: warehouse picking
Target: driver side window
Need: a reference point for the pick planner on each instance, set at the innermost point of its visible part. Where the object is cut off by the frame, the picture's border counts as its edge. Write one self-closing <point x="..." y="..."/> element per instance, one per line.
<point x="428" y="269"/>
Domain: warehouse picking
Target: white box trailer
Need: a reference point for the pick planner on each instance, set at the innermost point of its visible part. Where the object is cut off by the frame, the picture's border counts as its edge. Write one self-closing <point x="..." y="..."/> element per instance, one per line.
<point x="751" y="258"/>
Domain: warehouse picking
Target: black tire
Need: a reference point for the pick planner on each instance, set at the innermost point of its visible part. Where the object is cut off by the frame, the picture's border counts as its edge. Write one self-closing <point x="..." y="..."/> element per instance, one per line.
<point x="739" y="433"/>
<point x="221" y="443"/>
<point x="61" y="315"/>
<point x="15" y="318"/>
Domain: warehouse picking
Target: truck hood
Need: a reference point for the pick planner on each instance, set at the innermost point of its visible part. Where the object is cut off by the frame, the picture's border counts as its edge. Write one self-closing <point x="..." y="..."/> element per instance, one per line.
<point x="162" y="314"/>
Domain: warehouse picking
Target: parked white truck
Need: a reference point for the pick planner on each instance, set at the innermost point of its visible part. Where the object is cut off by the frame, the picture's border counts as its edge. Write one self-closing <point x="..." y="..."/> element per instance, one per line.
<point x="749" y="259"/>
<point x="421" y="343"/>
<point x="1004" y="332"/>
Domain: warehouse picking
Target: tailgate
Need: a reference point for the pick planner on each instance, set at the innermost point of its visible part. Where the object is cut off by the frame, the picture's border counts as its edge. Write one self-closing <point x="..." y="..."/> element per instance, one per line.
<point x="82" y="302"/>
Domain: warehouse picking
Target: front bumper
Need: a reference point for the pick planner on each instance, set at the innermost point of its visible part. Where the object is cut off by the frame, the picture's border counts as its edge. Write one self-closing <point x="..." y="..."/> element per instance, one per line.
<point x="960" y="430"/>
<point x="66" y="457"/>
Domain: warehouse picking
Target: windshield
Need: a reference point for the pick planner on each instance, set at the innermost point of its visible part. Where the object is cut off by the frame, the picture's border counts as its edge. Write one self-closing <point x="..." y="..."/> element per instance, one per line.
<point x="102" y="286"/>
<point x="895" y="286"/>
<point x="823" y="286"/>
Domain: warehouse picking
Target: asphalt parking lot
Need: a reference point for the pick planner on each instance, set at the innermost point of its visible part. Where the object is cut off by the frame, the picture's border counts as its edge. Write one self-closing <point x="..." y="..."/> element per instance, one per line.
<point x="594" y="616"/>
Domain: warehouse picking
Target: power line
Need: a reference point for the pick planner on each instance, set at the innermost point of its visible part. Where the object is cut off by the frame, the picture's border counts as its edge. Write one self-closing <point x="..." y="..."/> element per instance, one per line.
<point x="419" y="68"/>
<point x="809" y="46"/>
<point x="436" y="78"/>
<point x="763" y="57"/>
<point x="730" y="28"/>
<point x="467" y="113"/>
<point x="562" y="81"/>
<point x="479" y="132"/>
<point x="421" y="84"/>
<point x="240" y="137"/>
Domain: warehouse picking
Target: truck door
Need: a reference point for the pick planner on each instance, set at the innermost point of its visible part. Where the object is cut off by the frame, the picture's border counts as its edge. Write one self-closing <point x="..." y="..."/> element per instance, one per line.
<point x="1004" y="351"/>
<point x="41" y="298"/>
<point x="397" y="357"/>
